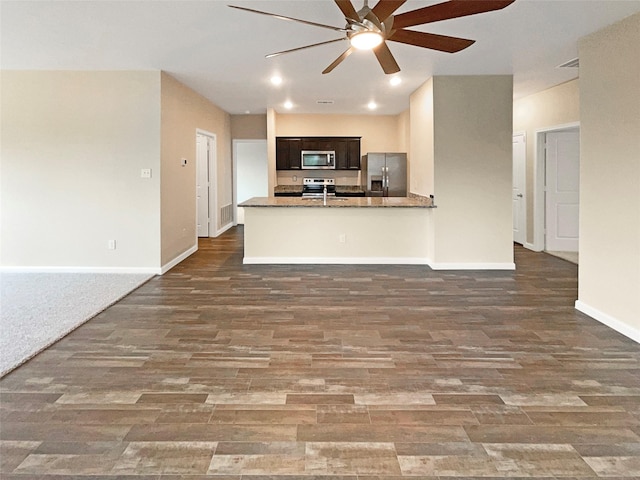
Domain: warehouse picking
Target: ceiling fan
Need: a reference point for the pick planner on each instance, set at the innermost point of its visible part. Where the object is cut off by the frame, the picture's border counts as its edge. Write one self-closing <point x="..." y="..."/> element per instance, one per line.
<point x="370" y="28"/>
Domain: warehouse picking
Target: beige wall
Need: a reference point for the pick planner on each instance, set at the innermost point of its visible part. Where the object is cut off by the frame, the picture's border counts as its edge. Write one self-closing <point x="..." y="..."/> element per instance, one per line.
<point x="272" y="119"/>
<point x="249" y="127"/>
<point x="404" y="138"/>
<point x="556" y="106"/>
<point x="379" y="132"/>
<point x="421" y="140"/>
<point x="183" y="112"/>
<point x="473" y="164"/>
<point x="609" y="274"/>
<point x="73" y="145"/>
<point x="72" y="153"/>
<point x="404" y="131"/>
<point x="461" y="129"/>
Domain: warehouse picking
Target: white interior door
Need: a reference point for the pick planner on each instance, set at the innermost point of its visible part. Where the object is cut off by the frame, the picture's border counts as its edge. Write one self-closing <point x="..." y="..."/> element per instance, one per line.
<point x="251" y="172"/>
<point x="202" y="185"/>
<point x="562" y="190"/>
<point x="519" y="189"/>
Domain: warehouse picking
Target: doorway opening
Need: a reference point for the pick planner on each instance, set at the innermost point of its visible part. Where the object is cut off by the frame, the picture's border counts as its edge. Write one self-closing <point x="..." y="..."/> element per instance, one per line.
<point x="557" y="191"/>
<point x="250" y="173"/>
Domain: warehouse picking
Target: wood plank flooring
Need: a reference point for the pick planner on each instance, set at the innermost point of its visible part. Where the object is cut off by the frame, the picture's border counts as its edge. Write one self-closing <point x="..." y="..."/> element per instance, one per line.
<point x="219" y="370"/>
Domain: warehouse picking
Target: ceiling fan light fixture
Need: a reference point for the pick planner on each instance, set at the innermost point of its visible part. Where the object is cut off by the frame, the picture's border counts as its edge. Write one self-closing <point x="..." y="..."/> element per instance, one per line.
<point x="366" y="40"/>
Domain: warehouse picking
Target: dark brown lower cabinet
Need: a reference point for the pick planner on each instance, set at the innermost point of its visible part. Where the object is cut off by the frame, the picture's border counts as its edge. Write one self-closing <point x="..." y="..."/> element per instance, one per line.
<point x="288" y="194"/>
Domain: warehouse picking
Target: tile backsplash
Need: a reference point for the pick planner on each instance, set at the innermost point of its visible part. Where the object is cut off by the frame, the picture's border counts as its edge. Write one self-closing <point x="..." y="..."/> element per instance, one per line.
<point x="294" y="177"/>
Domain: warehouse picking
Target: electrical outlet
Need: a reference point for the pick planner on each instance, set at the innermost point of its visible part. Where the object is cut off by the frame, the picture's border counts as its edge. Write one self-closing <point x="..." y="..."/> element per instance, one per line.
<point x="145" y="173"/>
<point x="111" y="244"/>
<point x="343" y="238"/>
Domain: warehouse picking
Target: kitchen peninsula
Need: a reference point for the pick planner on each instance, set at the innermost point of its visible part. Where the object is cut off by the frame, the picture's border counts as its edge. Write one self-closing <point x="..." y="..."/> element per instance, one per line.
<point x="363" y="230"/>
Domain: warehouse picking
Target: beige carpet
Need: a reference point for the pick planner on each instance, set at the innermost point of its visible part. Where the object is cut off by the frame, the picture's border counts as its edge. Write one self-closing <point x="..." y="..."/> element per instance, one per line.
<point x="37" y="309"/>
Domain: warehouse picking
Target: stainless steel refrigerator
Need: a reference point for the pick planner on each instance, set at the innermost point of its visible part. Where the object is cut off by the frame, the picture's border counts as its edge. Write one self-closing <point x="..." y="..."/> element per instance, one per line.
<point x="384" y="174"/>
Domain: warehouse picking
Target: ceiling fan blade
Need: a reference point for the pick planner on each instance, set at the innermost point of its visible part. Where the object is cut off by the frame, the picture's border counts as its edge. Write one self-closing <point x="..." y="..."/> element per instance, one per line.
<point x="338" y="60"/>
<point x="283" y="17"/>
<point x="447" y="10"/>
<point x="442" y="43"/>
<point x="384" y="8"/>
<point x="385" y="58"/>
<point x="305" y="47"/>
<point x="346" y="7"/>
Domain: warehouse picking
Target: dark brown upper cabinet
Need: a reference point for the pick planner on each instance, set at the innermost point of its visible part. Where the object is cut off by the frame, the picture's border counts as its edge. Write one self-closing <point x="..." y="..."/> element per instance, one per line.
<point x="288" y="153"/>
<point x="348" y="154"/>
<point x="347" y="150"/>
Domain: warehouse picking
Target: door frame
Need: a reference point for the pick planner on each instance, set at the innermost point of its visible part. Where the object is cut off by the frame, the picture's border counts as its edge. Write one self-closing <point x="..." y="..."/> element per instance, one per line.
<point x="213" y="183"/>
<point x="539" y="169"/>
<point x="524" y="213"/>
<point x="202" y="163"/>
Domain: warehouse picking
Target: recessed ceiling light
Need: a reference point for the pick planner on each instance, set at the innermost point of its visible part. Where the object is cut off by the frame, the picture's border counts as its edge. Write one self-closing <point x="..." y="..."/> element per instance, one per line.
<point x="276" y="80"/>
<point x="372" y="105"/>
<point x="288" y="105"/>
<point x="395" y="80"/>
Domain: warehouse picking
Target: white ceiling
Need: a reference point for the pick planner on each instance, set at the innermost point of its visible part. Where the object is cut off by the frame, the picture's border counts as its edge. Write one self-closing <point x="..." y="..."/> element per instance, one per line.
<point x="219" y="51"/>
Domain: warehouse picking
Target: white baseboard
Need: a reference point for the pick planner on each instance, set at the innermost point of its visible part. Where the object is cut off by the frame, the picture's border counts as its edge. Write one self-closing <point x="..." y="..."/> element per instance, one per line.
<point x="137" y="270"/>
<point x="376" y="261"/>
<point x="618" y="325"/>
<point x="531" y="246"/>
<point x="61" y="269"/>
<point x="472" y="266"/>
<point x="223" y="229"/>
<point x="169" y="265"/>
<point x="337" y="260"/>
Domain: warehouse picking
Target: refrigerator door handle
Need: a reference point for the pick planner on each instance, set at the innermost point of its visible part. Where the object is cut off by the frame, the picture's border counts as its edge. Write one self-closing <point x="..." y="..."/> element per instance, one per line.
<point x="385" y="180"/>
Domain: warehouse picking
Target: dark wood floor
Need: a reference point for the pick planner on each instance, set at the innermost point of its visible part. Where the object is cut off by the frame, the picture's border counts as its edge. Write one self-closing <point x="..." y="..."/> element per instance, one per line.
<point x="331" y="372"/>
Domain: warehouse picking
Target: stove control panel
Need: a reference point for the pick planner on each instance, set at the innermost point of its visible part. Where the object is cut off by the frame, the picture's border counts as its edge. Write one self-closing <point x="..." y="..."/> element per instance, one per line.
<point x="318" y="181"/>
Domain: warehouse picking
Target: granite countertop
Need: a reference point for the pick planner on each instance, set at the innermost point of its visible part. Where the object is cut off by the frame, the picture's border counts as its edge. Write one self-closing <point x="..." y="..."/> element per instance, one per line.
<point x="358" y="202"/>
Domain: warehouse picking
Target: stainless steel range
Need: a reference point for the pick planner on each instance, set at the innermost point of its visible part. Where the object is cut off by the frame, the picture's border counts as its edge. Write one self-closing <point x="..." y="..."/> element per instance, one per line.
<point x="315" y="187"/>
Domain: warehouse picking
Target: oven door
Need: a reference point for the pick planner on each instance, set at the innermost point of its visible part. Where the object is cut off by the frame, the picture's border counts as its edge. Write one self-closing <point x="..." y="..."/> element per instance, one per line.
<point x="316" y="160"/>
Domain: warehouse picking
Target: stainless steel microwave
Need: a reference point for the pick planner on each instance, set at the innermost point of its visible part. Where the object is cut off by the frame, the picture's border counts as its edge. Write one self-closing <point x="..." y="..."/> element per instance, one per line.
<point x="319" y="160"/>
